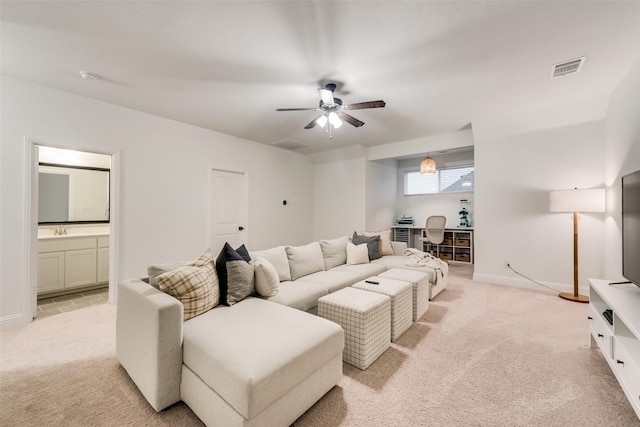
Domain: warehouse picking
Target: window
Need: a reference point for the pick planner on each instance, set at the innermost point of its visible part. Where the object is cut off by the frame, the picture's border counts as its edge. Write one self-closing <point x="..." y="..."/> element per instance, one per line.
<point x="449" y="180"/>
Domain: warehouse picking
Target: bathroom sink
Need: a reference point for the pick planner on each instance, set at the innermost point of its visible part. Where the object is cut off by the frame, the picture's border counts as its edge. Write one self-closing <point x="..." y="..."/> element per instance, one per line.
<point x="52" y="233"/>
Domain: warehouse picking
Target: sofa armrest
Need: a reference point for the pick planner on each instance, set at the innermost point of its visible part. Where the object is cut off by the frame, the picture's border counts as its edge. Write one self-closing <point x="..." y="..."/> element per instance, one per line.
<point x="398" y="247"/>
<point x="149" y="341"/>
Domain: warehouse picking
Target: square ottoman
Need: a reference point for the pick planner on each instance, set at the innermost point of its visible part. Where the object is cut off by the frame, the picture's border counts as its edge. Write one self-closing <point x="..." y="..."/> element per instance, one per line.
<point x="365" y="319"/>
<point x="420" y="282"/>
<point x="401" y="294"/>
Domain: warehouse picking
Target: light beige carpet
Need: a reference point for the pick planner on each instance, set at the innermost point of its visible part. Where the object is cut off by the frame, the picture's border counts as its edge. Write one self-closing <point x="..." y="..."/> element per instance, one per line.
<point x="483" y="355"/>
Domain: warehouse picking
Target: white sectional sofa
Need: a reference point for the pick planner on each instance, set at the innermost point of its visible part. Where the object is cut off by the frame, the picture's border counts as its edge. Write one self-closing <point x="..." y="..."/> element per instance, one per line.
<point x="261" y="361"/>
<point x="323" y="282"/>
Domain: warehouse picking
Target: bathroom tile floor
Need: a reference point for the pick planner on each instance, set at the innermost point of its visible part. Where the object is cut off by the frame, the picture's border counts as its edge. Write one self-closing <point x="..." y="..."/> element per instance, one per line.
<point x="64" y="303"/>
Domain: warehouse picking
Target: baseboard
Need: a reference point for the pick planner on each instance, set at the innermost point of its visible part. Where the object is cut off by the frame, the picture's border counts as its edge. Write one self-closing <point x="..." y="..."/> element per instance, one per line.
<point x="527" y="284"/>
<point x="11" y="321"/>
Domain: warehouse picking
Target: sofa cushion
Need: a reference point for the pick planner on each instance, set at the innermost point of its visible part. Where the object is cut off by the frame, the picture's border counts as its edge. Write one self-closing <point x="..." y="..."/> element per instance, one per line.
<point x="281" y="340"/>
<point x="373" y="244"/>
<point x="399" y="261"/>
<point x="334" y="251"/>
<point x="228" y="254"/>
<point x="278" y="257"/>
<point x="267" y="280"/>
<point x="357" y="254"/>
<point x="305" y="259"/>
<point x="385" y="241"/>
<point x="299" y="295"/>
<point x="195" y="285"/>
<point x="341" y="276"/>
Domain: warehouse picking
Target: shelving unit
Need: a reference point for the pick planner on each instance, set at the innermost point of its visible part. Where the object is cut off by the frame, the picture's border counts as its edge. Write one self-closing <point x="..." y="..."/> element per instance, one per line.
<point x="619" y="340"/>
<point x="401" y="235"/>
<point x="456" y="247"/>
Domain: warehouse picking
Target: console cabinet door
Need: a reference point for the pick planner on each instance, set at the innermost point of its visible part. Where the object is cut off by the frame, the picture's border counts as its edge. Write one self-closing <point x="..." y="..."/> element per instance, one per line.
<point x="80" y="268"/>
<point x="50" y="271"/>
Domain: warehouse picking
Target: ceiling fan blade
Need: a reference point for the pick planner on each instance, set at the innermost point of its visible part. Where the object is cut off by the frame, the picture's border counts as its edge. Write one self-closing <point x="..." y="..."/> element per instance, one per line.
<point x="350" y="119"/>
<point x="313" y="122"/>
<point x="327" y="96"/>
<point x="296" y="109"/>
<point x="361" y="105"/>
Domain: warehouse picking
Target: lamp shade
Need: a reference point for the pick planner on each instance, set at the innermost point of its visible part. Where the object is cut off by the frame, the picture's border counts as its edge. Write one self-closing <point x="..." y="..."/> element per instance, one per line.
<point x="577" y="200"/>
<point x="427" y="166"/>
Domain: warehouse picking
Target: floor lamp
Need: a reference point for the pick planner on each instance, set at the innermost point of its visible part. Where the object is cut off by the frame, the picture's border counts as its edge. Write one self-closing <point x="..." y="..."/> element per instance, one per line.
<point x="583" y="200"/>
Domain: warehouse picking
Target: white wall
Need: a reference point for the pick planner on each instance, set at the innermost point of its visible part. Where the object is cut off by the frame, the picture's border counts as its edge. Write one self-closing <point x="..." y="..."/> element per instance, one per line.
<point x="514" y="175"/>
<point x="381" y="183"/>
<point x="622" y="156"/>
<point x="163" y="184"/>
<point x="339" y="192"/>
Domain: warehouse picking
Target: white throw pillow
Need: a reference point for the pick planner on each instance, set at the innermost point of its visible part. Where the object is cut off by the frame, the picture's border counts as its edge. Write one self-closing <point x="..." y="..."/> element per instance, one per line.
<point x="385" y="241"/>
<point x="357" y="254"/>
<point x="334" y="252"/>
<point x="278" y="258"/>
<point x="267" y="280"/>
<point x="304" y="260"/>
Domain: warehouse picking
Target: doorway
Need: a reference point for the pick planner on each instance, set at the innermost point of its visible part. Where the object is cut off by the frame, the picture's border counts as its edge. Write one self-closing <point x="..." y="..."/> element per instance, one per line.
<point x="99" y="261"/>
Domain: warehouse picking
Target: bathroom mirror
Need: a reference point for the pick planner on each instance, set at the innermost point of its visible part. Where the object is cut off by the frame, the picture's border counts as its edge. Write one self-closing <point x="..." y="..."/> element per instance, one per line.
<point x="72" y="194"/>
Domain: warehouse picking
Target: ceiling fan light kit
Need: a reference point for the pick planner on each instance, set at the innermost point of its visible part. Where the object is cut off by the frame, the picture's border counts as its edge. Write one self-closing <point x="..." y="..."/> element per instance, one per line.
<point x="334" y="120"/>
<point x="332" y="110"/>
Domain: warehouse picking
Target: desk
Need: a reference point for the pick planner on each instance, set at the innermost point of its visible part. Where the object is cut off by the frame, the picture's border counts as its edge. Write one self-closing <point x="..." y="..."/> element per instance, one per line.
<point x="457" y="245"/>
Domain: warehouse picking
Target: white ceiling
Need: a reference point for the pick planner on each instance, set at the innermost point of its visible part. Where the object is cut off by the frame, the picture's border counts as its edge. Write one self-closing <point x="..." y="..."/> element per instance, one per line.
<point x="227" y="65"/>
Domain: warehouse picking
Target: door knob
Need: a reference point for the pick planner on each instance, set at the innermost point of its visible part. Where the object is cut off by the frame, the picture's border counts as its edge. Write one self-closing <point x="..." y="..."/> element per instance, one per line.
<point x="241" y="228"/>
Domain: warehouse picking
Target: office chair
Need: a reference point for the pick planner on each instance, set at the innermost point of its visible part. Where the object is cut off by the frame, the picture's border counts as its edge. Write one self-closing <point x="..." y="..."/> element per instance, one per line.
<point x="434" y="231"/>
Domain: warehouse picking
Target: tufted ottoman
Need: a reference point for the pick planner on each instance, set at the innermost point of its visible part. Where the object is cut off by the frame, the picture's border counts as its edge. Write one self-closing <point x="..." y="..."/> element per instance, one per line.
<point x="401" y="294"/>
<point x="365" y="319"/>
<point x="420" y="282"/>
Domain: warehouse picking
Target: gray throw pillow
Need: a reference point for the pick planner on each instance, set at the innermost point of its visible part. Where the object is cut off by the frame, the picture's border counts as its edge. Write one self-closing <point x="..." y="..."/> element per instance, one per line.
<point x="373" y="244"/>
<point x="226" y="255"/>
<point x="240" y="280"/>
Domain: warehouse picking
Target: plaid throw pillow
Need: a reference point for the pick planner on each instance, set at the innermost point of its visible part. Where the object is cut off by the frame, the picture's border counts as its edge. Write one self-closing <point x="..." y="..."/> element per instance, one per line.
<point x="194" y="285"/>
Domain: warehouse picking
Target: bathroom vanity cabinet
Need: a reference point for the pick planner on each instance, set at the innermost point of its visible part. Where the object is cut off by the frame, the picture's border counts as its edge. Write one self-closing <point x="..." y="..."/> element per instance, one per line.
<point x="72" y="262"/>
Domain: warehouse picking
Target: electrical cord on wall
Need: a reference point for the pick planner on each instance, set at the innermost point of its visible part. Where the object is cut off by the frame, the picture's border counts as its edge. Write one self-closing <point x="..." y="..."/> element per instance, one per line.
<point x="529" y="278"/>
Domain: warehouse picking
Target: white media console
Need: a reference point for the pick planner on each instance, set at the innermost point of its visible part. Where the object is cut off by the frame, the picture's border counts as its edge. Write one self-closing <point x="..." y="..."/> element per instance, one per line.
<point x="620" y="341"/>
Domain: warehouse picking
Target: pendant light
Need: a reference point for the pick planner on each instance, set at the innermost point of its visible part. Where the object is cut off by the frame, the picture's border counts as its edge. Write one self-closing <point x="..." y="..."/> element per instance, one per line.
<point x="427" y="166"/>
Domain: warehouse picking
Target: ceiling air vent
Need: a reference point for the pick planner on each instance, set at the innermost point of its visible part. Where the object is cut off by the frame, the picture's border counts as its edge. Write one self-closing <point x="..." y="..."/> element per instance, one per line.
<point x="568" y="67"/>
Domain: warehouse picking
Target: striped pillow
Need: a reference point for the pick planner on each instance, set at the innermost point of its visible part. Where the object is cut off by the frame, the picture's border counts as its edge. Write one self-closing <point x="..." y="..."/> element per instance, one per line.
<point x="195" y="285"/>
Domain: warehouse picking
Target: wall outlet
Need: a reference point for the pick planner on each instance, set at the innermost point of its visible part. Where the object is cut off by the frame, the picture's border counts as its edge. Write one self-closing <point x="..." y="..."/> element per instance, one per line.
<point x="507" y="262"/>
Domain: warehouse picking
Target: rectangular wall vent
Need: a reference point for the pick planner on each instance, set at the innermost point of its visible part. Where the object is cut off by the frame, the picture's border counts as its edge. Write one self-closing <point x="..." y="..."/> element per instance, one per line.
<point x="568" y="67"/>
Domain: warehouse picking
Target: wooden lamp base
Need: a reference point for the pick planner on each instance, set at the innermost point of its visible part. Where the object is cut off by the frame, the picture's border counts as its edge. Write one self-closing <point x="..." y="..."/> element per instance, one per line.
<point x="573" y="297"/>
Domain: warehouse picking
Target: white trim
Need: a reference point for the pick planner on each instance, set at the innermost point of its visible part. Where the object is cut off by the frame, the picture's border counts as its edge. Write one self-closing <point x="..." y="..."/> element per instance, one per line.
<point x="30" y="238"/>
<point x="114" y="227"/>
<point x="12" y="321"/>
<point x="526" y="284"/>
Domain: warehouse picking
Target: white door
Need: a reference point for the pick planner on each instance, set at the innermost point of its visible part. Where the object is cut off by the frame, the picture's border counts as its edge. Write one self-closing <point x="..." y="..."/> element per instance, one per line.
<point x="227" y="209"/>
